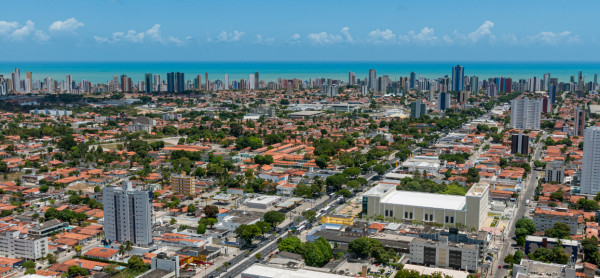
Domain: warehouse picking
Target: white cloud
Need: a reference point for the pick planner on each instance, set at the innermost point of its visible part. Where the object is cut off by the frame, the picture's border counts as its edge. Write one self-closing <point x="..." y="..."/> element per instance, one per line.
<point x="41" y="36"/>
<point x="346" y="33"/>
<point x="7" y="27"/>
<point x="24" y="31"/>
<point x="379" y="36"/>
<point x="296" y="36"/>
<point x="324" y="38"/>
<point x="154" y="34"/>
<point x="551" y="38"/>
<point x="425" y="36"/>
<point x="68" y="25"/>
<point x="261" y="40"/>
<point x="485" y="30"/>
<point x="230" y="37"/>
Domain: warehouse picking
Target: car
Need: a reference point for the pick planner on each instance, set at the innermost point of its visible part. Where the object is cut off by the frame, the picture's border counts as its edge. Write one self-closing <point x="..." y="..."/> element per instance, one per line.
<point x="499" y="266"/>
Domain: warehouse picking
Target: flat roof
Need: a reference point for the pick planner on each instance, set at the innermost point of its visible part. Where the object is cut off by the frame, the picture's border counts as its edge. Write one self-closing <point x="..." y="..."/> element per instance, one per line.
<point x="306" y="113"/>
<point x="431" y="270"/>
<point x="594" y="108"/>
<point x="428" y="200"/>
<point x="278" y="272"/>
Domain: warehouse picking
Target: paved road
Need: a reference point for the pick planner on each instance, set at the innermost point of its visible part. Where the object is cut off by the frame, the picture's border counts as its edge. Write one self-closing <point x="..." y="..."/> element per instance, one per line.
<point x="239" y="263"/>
<point x="508" y="246"/>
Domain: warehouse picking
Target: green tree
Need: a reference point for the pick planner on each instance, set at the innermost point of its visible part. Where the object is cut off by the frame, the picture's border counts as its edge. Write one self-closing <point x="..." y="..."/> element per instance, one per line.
<point x="75" y="271"/>
<point x="191" y="208"/>
<point x="526" y="224"/>
<point x="263" y="226"/>
<point x="29" y="264"/>
<point x="290" y="244"/>
<point x="247" y="232"/>
<point x="559" y="230"/>
<point x="309" y="215"/>
<point x="201" y="229"/>
<point x="313" y="256"/>
<point x="321" y="162"/>
<point x="210" y="211"/>
<point x="360" y="247"/>
<point x="590" y="250"/>
<point x="345" y="192"/>
<point x="136" y="264"/>
<point x="274" y="218"/>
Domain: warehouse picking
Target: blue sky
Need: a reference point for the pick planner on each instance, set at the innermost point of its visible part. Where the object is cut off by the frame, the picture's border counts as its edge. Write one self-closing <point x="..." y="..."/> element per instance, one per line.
<point x="307" y="30"/>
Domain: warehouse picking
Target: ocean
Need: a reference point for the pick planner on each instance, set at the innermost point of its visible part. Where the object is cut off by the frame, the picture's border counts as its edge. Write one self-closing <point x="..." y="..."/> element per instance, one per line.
<point x="100" y="72"/>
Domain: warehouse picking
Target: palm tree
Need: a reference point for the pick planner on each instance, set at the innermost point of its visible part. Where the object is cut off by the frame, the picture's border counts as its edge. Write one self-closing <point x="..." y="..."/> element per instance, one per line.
<point x="128" y="246"/>
<point x="122" y="250"/>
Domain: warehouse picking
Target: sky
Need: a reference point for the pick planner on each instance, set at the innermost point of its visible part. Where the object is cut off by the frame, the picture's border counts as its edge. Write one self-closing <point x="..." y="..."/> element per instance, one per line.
<point x="300" y="30"/>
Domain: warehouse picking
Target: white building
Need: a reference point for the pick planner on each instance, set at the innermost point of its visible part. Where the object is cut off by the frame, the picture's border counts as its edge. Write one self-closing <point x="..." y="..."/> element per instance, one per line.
<point x="264" y="271"/>
<point x="13" y="244"/>
<point x="469" y="210"/>
<point x="535" y="269"/>
<point x="590" y="178"/>
<point x="443" y="253"/>
<point x="525" y="113"/>
<point x="127" y="214"/>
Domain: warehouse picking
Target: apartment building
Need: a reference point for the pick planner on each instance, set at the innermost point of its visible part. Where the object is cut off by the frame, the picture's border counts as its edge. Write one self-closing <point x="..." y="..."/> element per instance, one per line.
<point x="545" y="218"/>
<point x="444" y="253"/>
<point x="13" y="244"/>
<point x="181" y="184"/>
<point x="127" y="214"/>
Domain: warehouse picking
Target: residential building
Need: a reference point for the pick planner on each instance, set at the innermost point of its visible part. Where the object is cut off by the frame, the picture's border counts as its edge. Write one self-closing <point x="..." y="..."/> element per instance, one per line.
<point x="470" y="210"/>
<point x="525" y="113"/>
<point x="555" y="172"/>
<point x="579" y="122"/>
<point x="175" y="82"/>
<point x="47" y="228"/>
<point x="127" y="214"/>
<point x="590" y="178"/>
<point x="519" y="144"/>
<point x="418" y="108"/>
<point x="463" y="96"/>
<point x="443" y="253"/>
<point x="182" y="184"/>
<point x="13" y="244"/>
<point x="546" y="218"/>
<point x="149" y="88"/>
<point x="141" y="123"/>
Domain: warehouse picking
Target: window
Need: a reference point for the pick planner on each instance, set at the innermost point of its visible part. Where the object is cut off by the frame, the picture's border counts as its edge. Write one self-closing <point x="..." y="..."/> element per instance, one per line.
<point x="391" y="213"/>
<point x="386" y="213"/>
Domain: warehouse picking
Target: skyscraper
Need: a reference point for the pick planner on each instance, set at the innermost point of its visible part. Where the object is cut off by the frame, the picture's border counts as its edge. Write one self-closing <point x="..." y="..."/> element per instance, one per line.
<point x="520" y="144"/>
<point x="458" y="78"/>
<point x="227" y="81"/>
<point x="547" y="81"/>
<point x="16" y="79"/>
<point x="443" y="100"/>
<point x="127" y="214"/>
<point x="69" y="84"/>
<point x="175" y="82"/>
<point x="148" y="83"/>
<point x="351" y="78"/>
<point x="413" y="80"/>
<point x="156" y="87"/>
<point x="372" y="80"/>
<point x="590" y="176"/>
<point x="124" y="83"/>
<point x="256" y="81"/>
<point x="463" y="96"/>
<point x="552" y="94"/>
<point x="474" y="84"/>
<point x="207" y="82"/>
<point x="28" y="82"/>
<point x="525" y="113"/>
<point x="579" y="122"/>
<point x="418" y="109"/>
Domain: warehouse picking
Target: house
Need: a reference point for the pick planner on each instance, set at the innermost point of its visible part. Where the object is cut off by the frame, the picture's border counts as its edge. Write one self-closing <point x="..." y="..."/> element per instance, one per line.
<point x="102" y="253"/>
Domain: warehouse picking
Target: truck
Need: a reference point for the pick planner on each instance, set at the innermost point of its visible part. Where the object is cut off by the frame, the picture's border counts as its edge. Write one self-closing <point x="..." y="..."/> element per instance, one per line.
<point x="527" y="202"/>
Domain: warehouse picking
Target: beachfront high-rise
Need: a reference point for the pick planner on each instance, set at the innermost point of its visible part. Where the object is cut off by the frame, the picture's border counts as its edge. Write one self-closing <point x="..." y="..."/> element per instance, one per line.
<point x="458" y="78"/>
<point x="525" y="113"/>
<point x="127" y="214"/>
<point x="148" y="83"/>
<point x="590" y="177"/>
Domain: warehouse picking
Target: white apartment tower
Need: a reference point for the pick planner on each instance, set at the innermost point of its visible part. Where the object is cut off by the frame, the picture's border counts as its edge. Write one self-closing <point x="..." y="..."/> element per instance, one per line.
<point x="590" y="177"/>
<point x="525" y="113"/>
<point x="127" y="214"/>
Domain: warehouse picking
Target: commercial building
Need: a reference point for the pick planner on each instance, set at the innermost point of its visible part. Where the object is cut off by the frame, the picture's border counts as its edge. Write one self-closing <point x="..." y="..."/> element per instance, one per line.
<point x="555" y="172"/>
<point x="569" y="246"/>
<point x="590" y="178"/>
<point x="535" y="269"/>
<point x="443" y="101"/>
<point x="182" y="184"/>
<point x="164" y="262"/>
<point x="418" y="109"/>
<point x="148" y="83"/>
<point x="525" y="113"/>
<point x="264" y="271"/>
<point x="141" y="123"/>
<point x="13" y="244"/>
<point x="458" y="78"/>
<point x="47" y="228"/>
<point x="519" y="144"/>
<point x="443" y="253"/>
<point x="430" y="164"/>
<point x="469" y="210"/>
<point x="127" y="214"/>
<point x="175" y="82"/>
<point x="347" y="220"/>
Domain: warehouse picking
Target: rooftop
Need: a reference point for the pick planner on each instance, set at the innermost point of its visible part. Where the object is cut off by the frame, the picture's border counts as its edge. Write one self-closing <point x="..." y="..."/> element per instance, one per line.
<point x="273" y="272"/>
<point x="429" y="200"/>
